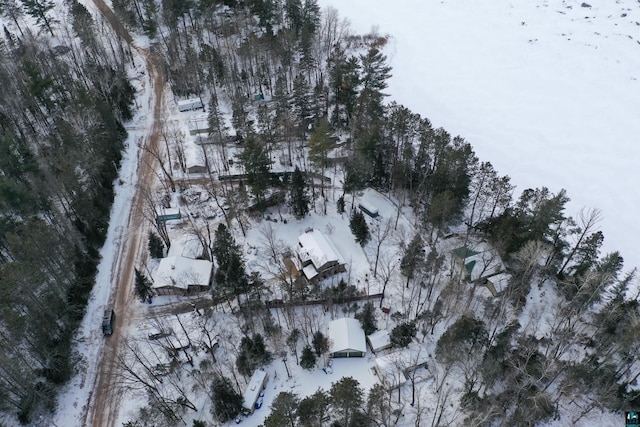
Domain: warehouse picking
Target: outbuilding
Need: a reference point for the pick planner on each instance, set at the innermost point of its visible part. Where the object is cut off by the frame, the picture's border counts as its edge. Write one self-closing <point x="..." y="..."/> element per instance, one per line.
<point x="169" y="214"/>
<point x="379" y="340"/>
<point x="368" y="208"/>
<point x="198" y="124"/>
<point x="478" y="263"/>
<point x="498" y="283"/>
<point x="394" y="369"/>
<point x="190" y="104"/>
<point x="178" y="275"/>
<point x="347" y="338"/>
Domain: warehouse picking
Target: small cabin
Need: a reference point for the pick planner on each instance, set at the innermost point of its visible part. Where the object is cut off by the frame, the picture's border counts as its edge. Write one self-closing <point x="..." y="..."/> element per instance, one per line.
<point x="379" y="340"/>
<point x="368" y="209"/>
<point x="189" y="104"/>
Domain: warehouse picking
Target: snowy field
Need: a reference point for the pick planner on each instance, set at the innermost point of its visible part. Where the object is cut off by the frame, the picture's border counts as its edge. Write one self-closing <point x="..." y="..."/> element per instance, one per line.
<point x="546" y="90"/>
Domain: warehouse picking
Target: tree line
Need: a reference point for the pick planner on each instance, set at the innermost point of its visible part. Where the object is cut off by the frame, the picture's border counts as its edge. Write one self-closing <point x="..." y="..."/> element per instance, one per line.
<point x="61" y="139"/>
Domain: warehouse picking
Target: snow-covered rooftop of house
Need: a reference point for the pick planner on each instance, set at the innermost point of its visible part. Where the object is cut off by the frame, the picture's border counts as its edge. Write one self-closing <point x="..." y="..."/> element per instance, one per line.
<point x="310" y="271"/>
<point x="181" y="272"/>
<point x="317" y="248"/>
<point x="198" y="122"/>
<point x="393" y="367"/>
<point x="379" y="340"/>
<point x="346" y="334"/>
<point x="192" y="248"/>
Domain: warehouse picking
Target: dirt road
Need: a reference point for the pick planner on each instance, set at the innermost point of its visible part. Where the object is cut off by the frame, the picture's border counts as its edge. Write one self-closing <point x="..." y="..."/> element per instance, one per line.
<point x="105" y="399"/>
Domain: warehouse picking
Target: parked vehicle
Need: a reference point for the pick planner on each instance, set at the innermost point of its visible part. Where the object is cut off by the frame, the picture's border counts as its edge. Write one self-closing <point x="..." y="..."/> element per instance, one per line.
<point x="107" y="322"/>
<point x="260" y="400"/>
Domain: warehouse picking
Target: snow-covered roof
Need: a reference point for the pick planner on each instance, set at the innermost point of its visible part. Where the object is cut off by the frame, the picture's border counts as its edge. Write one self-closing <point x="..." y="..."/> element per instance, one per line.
<point x="310" y="271"/>
<point x="181" y="272"/>
<point x="393" y="368"/>
<point x="346" y="334"/>
<point x="317" y="248"/>
<point x="480" y="260"/>
<point x="500" y="281"/>
<point x="198" y="122"/>
<point x="189" y="104"/>
<point x="254" y="388"/>
<point x="192" y="248"/>
<point x="369" y="201"/>
<point x="379" y="340"/>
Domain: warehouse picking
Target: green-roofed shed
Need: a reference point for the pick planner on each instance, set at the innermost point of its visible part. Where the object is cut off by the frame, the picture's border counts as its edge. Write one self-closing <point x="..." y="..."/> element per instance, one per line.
<point x="464" y="252"/>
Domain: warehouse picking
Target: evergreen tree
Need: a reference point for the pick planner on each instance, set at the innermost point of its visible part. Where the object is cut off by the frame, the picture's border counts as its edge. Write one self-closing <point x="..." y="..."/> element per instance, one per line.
<point x="367" y="318"/>
<point x="301" y="104"/>
<point x="402" y="335"/>
<point x="253" y="354"/>
<point x="346" y="397"/>
<point x="413" y="258"/>
<point x="313" y="409"/>
<point x="292" y="342"/>
<point x="293" y="13"/>
<point x="340" y="205"/>
<point x="465" y="337"/>
<point x="143" y="286"/>
<point x="227" y="403"/>
<point x="320" y="343"/>
<point x="320" y="143"/>
<point x="308" y="358"/>
<point x="359" y="228"/>
<point x="231" y="274"/>
<point x="298" y="198"/>
<point x="256" y="163"/>
<point x="217" y="127"/>
<point x="150" y="22"/>
<point x="375" y="73"/>
<point x="344" y="80"/>
<point x="39" y="9"/>
<point x="156" y="247"/>
<point x="11" y="10"/>
<point x="378" y="405"/>
<point x="283" y="410"/>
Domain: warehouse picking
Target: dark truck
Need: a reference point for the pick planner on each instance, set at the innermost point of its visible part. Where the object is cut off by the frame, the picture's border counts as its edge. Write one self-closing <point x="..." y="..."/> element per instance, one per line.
<point x="107" y="322"/>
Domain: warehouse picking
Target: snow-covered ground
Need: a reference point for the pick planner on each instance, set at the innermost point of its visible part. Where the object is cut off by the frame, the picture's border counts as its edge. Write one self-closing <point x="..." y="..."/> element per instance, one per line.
<point x="546" y="90"/>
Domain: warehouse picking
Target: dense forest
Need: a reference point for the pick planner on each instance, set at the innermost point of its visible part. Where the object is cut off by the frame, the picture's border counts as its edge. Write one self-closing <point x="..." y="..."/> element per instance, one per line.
<point x="62" y="138"/>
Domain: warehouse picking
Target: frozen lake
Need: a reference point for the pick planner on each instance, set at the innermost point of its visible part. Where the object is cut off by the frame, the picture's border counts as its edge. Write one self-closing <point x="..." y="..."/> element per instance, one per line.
<point x="545" y="90"/>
